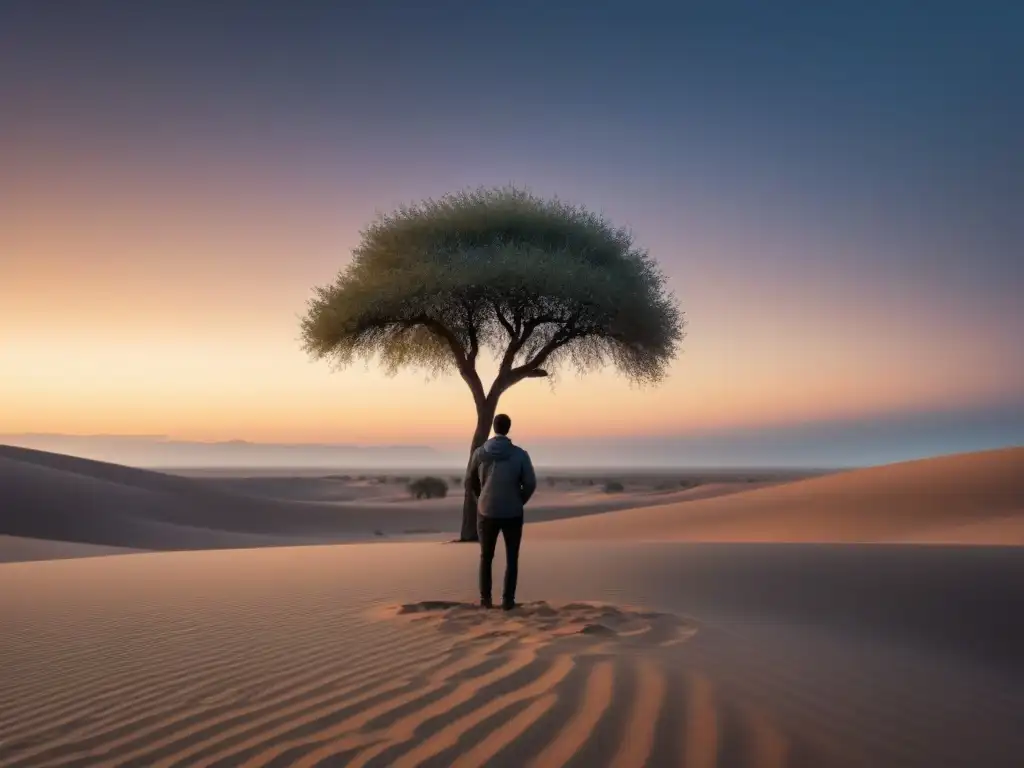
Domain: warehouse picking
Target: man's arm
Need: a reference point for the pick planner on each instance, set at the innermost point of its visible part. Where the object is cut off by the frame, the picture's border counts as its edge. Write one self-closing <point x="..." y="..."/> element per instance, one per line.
<point x="473" y="475"/>
<point x="527" y="478"/>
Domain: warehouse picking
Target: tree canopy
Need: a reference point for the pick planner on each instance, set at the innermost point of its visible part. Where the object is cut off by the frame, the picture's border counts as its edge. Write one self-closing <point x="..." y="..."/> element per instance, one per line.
<point x="537" y="282"/>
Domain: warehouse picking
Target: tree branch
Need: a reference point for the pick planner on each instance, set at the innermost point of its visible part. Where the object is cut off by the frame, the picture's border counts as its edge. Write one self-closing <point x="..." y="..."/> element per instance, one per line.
<point x="508" y="376"/>
<point x="569" y="332"/>
<point x="512" y="331"/>
<point x="517" y="342"/>
<point x="463" y="359"/>
<point x="560" y="339"/>
<point x="474" y="344"/>
<point x="471" y="329"/>
<point x="517" y="316"/>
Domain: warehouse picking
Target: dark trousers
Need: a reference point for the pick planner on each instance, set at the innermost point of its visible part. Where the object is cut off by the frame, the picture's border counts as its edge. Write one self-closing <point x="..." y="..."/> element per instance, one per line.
<point x="511" y="529"/>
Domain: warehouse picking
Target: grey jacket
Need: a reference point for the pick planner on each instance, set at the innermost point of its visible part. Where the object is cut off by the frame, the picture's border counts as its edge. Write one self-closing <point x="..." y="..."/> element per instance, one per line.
<point x="501" y="477"/>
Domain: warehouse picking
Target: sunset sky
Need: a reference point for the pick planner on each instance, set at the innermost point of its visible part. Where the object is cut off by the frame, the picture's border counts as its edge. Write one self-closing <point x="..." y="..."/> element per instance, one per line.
<point x="836" y="194"/>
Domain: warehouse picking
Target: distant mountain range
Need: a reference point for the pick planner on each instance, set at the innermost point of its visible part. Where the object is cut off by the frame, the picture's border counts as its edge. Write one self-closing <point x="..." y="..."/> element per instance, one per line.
<point x="850" y="442"/>
<point x="161" y="451"/>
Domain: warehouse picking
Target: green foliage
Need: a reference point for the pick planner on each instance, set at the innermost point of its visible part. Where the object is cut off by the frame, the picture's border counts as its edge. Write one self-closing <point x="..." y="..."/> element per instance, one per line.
<point x="613" y="486"/>
<point x="537" y="282"/>
<point x="429" y="487"/>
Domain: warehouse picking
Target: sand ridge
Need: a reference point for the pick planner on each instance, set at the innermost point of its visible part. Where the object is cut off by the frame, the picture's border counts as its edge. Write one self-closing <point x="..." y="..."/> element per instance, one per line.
<point x="305" y="656"/>
<point x="975" y="498"/>
<point x="19" y="549"/>
<point x="54" y="497"/>
<point x="276" y="665"/>
<point x="558" y="670"/>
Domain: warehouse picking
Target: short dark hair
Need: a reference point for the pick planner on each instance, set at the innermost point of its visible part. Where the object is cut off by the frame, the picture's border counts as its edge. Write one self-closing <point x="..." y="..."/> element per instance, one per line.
<point x="502" y="424"/>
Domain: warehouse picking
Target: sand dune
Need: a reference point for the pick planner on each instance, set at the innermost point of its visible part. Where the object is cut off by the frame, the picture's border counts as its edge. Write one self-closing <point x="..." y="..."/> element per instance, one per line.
<point x="64" y="498"/>
<point x="55" y="497"/>
<point x="368" y="655"/>
<point x="16" y="549"/>
<point x="975" y="498"/>
<point x="969" y="498"/>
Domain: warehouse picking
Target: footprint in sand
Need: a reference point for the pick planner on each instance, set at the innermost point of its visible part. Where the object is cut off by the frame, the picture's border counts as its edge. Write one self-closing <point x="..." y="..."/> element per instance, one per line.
<point x="588" y="627"/>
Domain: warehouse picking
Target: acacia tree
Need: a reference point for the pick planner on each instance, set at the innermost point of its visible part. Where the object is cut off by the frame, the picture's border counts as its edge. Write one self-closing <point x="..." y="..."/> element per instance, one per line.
<point x="536" y="282"/>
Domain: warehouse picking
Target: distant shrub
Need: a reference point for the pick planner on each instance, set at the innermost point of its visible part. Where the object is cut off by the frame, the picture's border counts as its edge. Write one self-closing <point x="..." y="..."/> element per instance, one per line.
<point x="381" y="479"/>
<point x="402" y="480"/>
<point x="456" y="481"/>
<point x="613" y="486"/>
<point x="590" y="481"/>
<point x="551" y="482"/>
<point x="428" y="488"/>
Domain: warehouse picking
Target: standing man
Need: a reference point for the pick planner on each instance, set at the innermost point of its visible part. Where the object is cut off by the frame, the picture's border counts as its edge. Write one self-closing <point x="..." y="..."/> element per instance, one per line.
<point x="502" y="480"/>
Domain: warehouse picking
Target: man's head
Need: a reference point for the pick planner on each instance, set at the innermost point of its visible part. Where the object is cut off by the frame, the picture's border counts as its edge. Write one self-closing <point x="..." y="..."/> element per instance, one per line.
<point x="502" y="424"/>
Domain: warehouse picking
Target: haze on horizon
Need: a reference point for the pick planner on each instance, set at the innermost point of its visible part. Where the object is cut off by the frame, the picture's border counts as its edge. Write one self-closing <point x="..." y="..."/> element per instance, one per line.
<point x="835" y="194"/>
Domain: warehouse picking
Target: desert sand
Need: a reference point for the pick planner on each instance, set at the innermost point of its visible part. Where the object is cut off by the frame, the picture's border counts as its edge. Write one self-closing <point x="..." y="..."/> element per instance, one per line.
<point x="14" y="549"/>
<point x="56" y="497"/>
<point x="974" y="498"/>
<point x="791" y="645"/>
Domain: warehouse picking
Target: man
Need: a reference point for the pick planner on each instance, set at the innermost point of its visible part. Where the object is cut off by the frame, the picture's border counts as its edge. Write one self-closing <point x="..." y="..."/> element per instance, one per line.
<point x="502" y="480"/>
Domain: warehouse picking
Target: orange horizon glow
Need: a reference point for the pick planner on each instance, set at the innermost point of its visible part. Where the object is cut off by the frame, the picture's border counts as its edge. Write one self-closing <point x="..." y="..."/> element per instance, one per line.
<point x="174" y="311"/>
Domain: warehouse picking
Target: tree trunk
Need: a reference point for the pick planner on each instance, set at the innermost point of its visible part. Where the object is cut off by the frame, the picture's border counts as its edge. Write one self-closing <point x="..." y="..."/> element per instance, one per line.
<point x="484" y="417"/>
